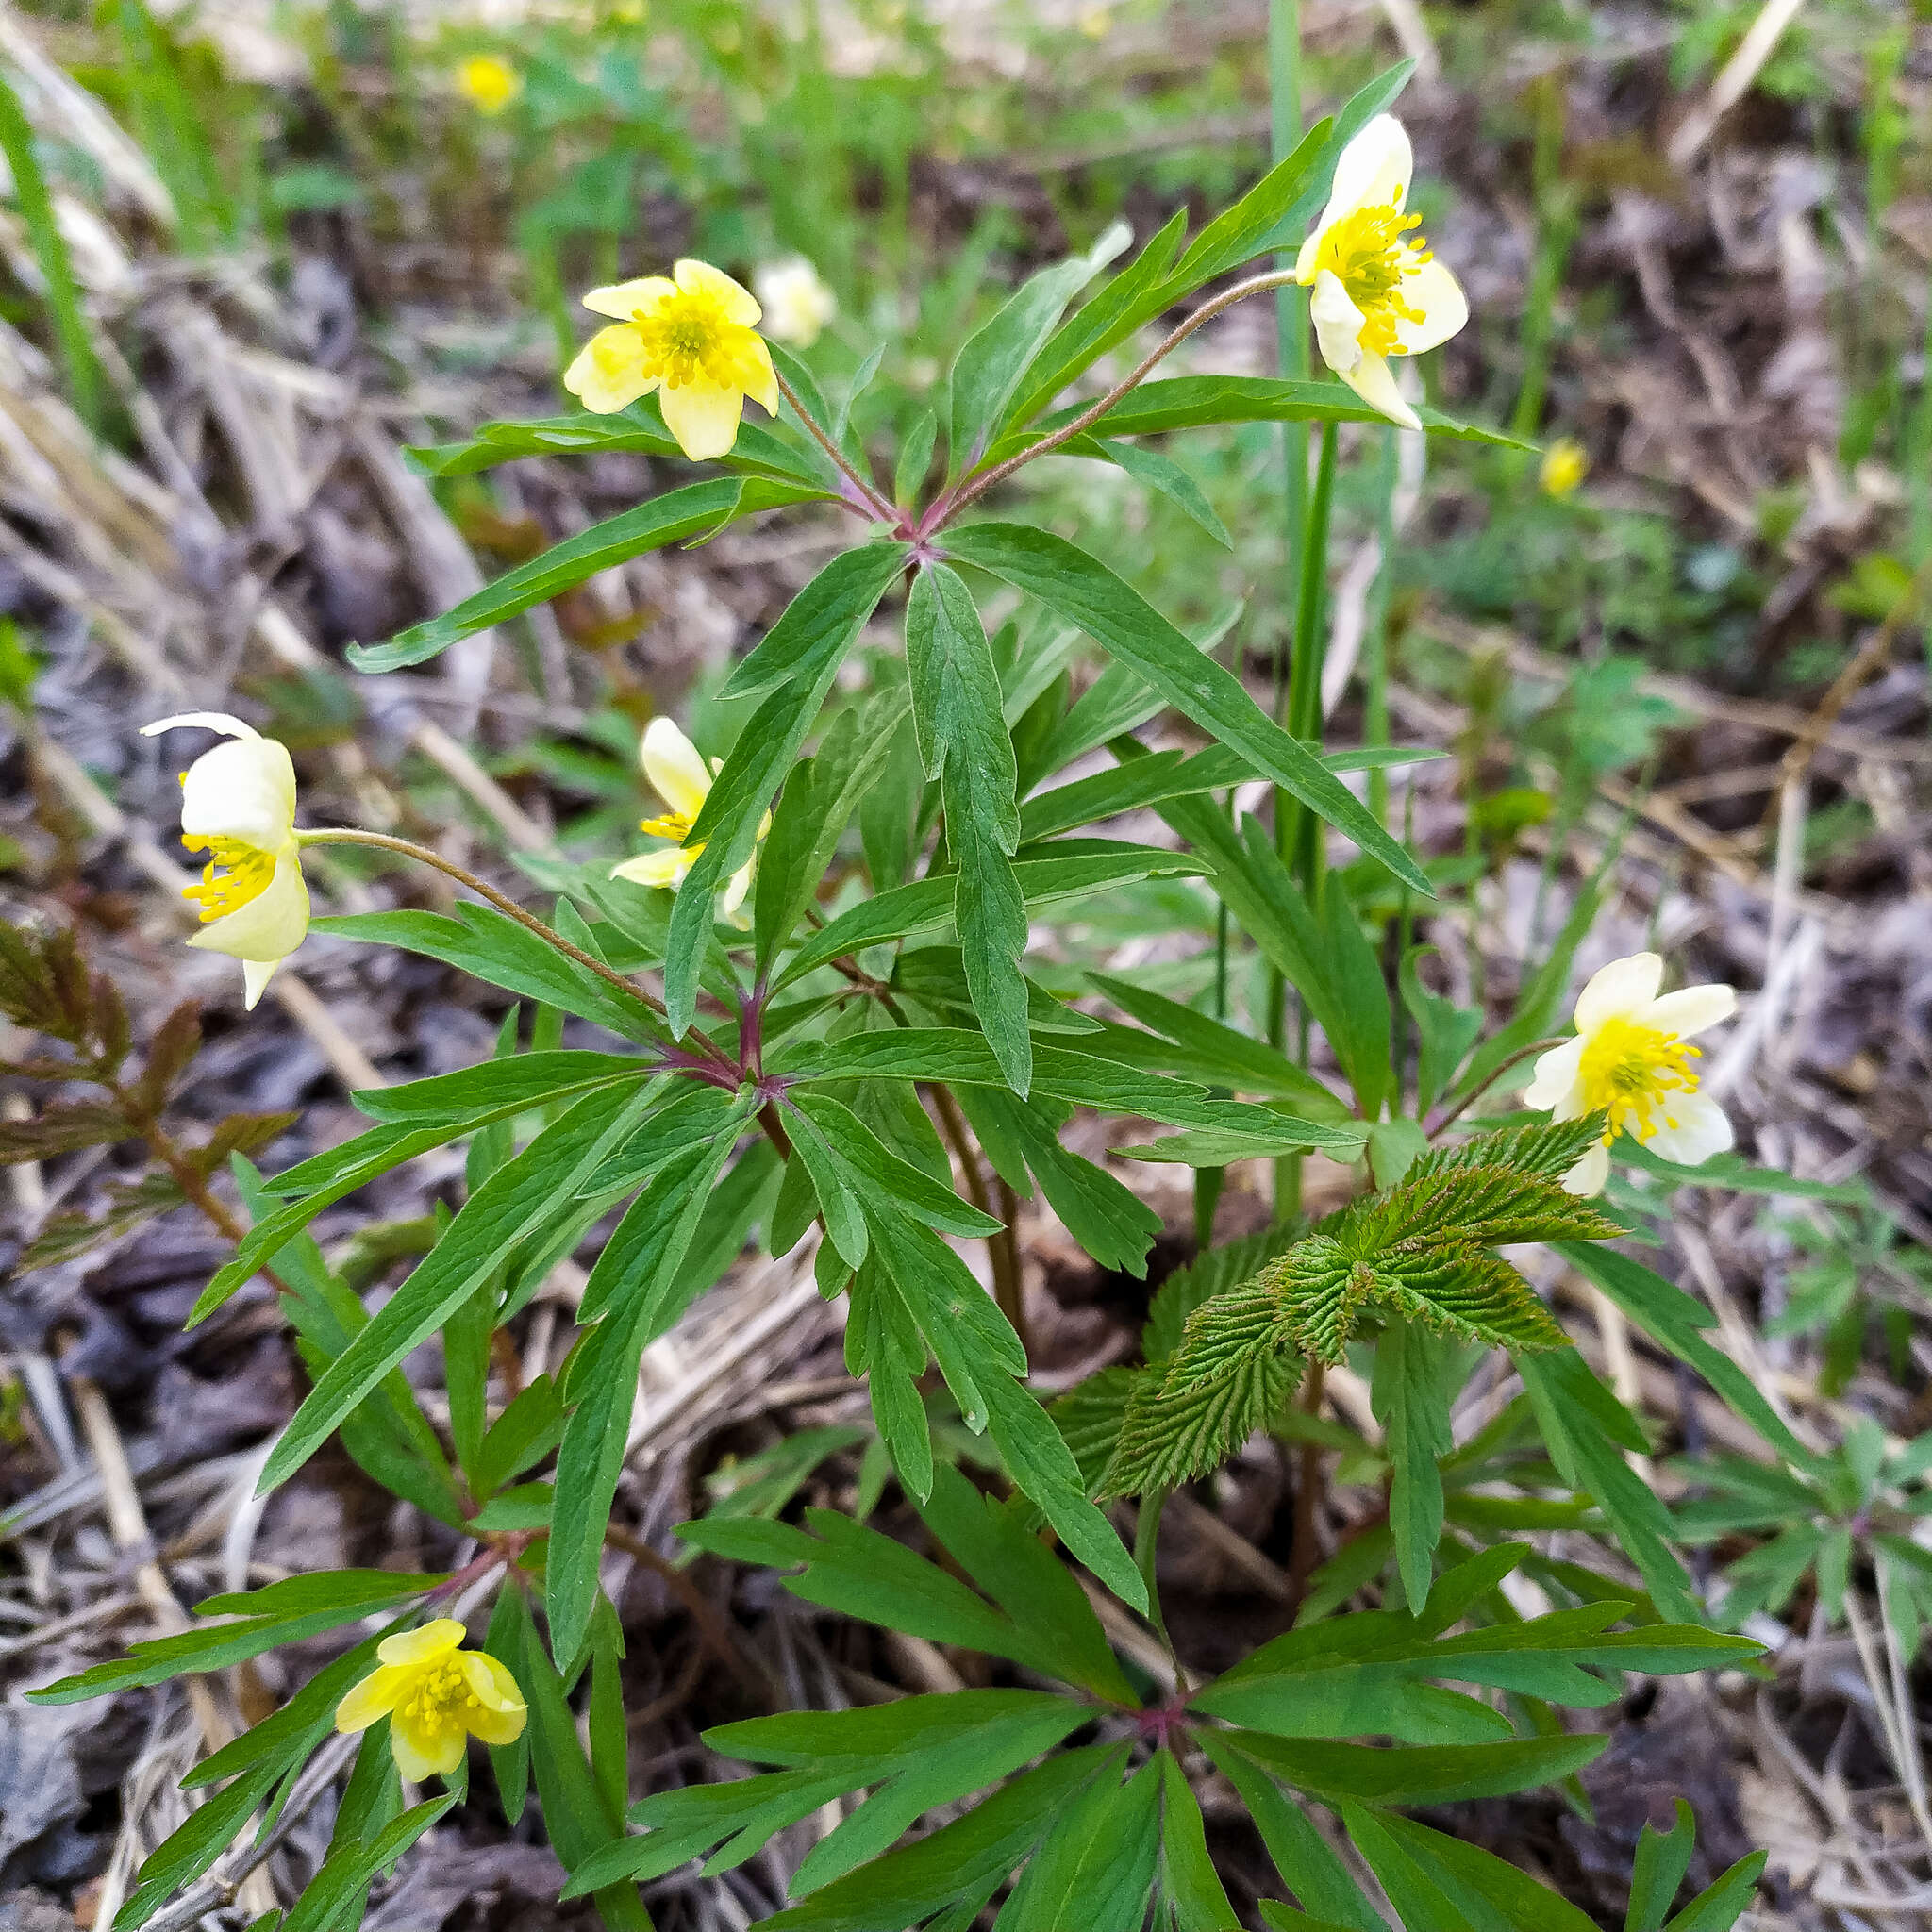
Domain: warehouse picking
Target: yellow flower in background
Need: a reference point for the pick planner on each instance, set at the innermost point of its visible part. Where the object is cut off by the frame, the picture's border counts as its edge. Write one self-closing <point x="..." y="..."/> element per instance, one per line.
<point x="797" y="304"/>
<point x="1376" y="291"/>
<point x="436" y="1695"/>
<point x="687" y="336"/>
<point x="489" y="82"/>
<point x="680" y="778"/>
<point x="1631" y="1059"/>
<point x="1564" y="466"/>
<point x="237" y="804"/>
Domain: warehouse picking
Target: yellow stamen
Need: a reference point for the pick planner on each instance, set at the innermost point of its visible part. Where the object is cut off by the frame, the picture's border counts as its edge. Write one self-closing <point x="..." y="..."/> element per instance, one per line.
<point x="244" y="873"/>
<point x="1630" y="1071"/>
<point x="1369" y="252"/>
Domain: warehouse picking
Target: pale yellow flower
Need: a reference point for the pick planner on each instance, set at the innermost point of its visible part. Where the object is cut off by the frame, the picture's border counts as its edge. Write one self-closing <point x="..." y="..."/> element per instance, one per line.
<point x="237" y="804"/>
<point x="681" y="778"/>
<point x="797" y="304"/>
<point x="1631" y="1059"/>
<point x="1565" y="465"/>
<point x="1376" y="291"/>
<point x="489" y="82"/>
<point x="687" y="336"/>
<point x="435" y="1696"/>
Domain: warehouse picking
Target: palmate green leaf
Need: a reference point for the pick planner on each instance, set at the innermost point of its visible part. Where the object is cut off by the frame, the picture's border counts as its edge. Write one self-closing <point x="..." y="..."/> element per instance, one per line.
<point x="511" y="1204"/>
<point x="873" y="1165"/>
<point x="698" y="509"/>
<point x="638" y="428"/>
<point x="964" y="742"/>
<point x="634" y="1286"/>
<point x="935" y="977"/>
<point x="1084" y="591"/>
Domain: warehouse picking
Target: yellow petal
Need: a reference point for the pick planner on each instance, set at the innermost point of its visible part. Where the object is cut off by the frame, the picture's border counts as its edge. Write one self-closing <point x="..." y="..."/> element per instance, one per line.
<point x="266" y="931"/>
<point x="421" y="1754"/>
<point x="665" y="867"/>
<point x="623" y="299"/>
<point x="696" y="277"/>
<point x="1619" y="990"/>
<point x="704" y="417"/>
<point x="1374" y="381"/>
<point x="677" y="773"/>
<point x="501" y="1713"/>
<point x="1433" y="290"/>
<point x="374" y="1697"/>
<point x="244" y="790"/>
<point x="608" y="373"/>
<point x="763" y="389"/>
<point x="424" y="1644"/>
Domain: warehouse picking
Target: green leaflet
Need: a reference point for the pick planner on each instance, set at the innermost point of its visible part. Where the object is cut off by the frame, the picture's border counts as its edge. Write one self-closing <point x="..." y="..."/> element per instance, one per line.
<point x="517" y="1081"/>
<point x="964" y="742"/>
<point x="1188" y="1883"/>
<point x="1094" y="1870"/>
<point x="1412" y="1406"/>
<point x="1084" y="591"/>
<point x="697" y="510"/>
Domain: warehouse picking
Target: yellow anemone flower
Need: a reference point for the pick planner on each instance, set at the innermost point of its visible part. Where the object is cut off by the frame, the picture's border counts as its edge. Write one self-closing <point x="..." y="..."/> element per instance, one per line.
<point x="1376" y="291"/>
<point x="237" y="804"/>
<point x="688" y="336"/>
<point x="1631" y="1058"/>
<point x="489" y="82"/>
<point x="797" y="304"/>
<point x="1564" y="466"/>
<point x="435" y="1695"/>
<point x="681" y="778"/>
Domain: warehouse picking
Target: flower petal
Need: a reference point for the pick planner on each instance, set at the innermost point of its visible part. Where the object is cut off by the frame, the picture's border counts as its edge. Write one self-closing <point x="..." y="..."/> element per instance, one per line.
<point x="1374" y="381"/>
<point x="1619" y="990"/>
<point x="1373" y="171"/>
<point x="244" y="790"/>
<point x="268" y="929"/>
<point x="1433" y="290"/>
<point x="1590" y="1174"/>
<point x="674" y="765"/>
<point x="421" y="1754"/>
<point x="1554" y="1075"/>
<point x="623" y="299"/>
<point x="608" y="373"/>
<point x="1337" y="323"/>
<point x="666" y="867"/>
<point x="696" y="277"/>
<point x="735" y="888"/>
<point x="424" y="1644"/>
<point x="501" y="1713"/>
<point x="704" y="417"/>
<point x="1702" y="1129"/>
<point x="203" y="721"/>
<point x="374" y="1696"/>
<point x="1688" y="1011"/>
<point x="256" y="975"/>
<point x="763" y="389"/>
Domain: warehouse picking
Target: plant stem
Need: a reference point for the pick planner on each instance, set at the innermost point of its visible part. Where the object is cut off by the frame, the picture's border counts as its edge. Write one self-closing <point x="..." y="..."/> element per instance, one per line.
<point x="1209" y="1182"/>
<point x="1146" y="1538"/>
<point x="869" y="496"/>
<point x="1000" y="1249"/>
<point x="1477" y="1092"/>
<point x="1309" y="1490"/>
<point x="1375" y="629"/>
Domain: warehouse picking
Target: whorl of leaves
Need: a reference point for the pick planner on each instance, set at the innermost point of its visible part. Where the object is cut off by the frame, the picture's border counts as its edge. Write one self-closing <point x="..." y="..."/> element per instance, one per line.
<point x="1424" y="1250"/>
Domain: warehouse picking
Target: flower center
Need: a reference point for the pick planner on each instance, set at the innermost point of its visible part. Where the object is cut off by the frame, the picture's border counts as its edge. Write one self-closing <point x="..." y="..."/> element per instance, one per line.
<point x="673" y="826"/>
<point x="1630" y="1072"/>
<point x="235" y="874"/>
<point x="1369" y="253"/>
<point x="440" y="1697"/>
<point x="689" y="339"/>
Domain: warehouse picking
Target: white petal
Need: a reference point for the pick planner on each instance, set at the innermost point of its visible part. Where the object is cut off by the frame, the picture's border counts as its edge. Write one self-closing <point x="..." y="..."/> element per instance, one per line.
<point x="677" y="774"/>
<point x="269" y="927"/>
<point x="1373" y="171"/>
<point x="1337" y="323"/>
<point x="204" y="721"/>
<point x="1619" y="990"/>
<point x="243" y="790"/>
<point x="704" y="417"/>
<point x="623" y="299"/>
<point x="1553" y="1075"/>
<point x="700" y="278"/>
<point x="1374" y="381"/>
<point x="1702" y="1130"/>
<point x="735" y="888"/>
<point x="1688" y="1011"/>
<point x="256" y="975"/>
<point x="1590" y="1174"/>
<point x="664" y="867"/>
<point x="1433" y="290"/>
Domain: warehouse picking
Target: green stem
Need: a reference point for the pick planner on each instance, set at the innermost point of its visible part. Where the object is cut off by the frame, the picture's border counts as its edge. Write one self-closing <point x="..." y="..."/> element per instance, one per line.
<point x="1146" y="1535"/>
<point x="1209" y="1182"/>
<point x="1376" y="630"/>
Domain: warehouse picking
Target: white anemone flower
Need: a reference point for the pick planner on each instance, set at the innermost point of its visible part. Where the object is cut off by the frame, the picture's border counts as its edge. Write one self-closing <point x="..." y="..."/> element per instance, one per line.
<point x="1376" y="291"/>
<point x="1631" y="1059"/>
<point x="682" y="779"/>
<point x="797" y="304"/>
<point x="237" y="804"/>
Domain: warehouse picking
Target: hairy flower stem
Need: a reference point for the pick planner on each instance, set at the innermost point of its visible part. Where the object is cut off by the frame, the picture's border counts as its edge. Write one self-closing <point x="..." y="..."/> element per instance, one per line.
<point x="1475" y="1093"/>
<point x="384" y="841"/>
<point x="868" y="498"/>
